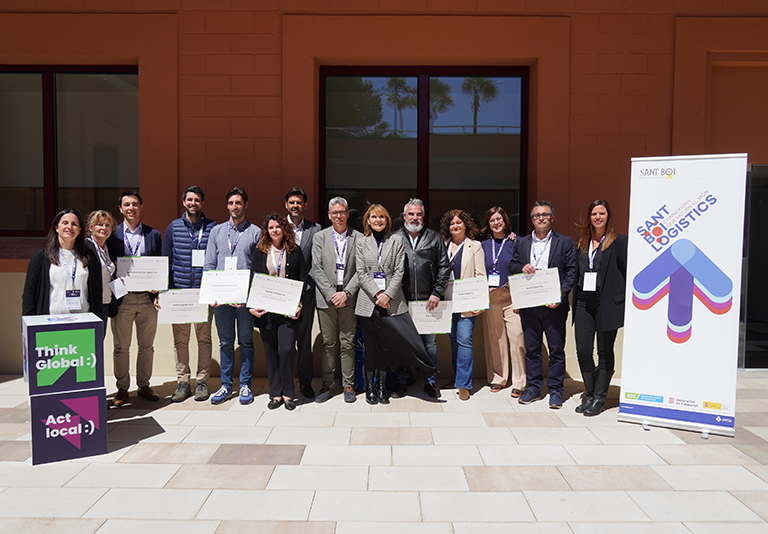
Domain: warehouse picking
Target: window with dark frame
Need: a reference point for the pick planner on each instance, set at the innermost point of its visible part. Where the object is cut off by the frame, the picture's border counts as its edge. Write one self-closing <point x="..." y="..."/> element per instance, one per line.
<point x="68" y="139"/>
<point x="456" y="137"/>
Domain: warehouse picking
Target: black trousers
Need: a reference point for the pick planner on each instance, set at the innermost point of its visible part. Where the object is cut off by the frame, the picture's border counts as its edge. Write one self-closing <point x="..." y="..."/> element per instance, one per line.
<point x="586" y="326"/>
<point x="279" y="340"/>
<point x="538" y="322"/>
<point x="304" y="363"/>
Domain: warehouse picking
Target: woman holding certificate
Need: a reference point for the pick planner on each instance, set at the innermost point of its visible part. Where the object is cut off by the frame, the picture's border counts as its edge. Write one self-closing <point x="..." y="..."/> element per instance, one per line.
<point x="278" y="255"/>
<point x="598" y="297"/>
<point x="63" y="276"/>
<point x="467" y="261"/>
<point x="100" y="226"/>
<point x="504" y="344"/>
<point x="391" y="340"/>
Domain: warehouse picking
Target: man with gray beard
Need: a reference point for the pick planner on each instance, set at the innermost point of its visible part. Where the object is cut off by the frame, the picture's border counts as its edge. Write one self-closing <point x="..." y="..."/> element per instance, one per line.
<point x="427" y="271"/>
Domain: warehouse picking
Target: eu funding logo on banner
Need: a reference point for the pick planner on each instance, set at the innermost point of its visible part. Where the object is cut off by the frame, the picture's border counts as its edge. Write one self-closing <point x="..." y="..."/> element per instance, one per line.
<point x="681" y="272"/>
<point x="68" y="425"/>
<point x="63" y="360"/>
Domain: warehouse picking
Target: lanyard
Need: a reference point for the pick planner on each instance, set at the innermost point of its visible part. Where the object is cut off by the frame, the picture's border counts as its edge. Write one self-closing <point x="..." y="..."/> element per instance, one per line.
<point x="543" y="250"/>
<point x="229" y="241"/>
<point x="378" y="256"/>
<point x="127" y="234"/>
<point x="105" y="259"/>
<point x="74" y="267"/>
<point x="279" y="261"/>
<point x="452" y="257"/>
<point x="593" y="253"/>
<point x="496" y="256"/>
<point x="340" y="256"/>
<point x="196" y="242"/>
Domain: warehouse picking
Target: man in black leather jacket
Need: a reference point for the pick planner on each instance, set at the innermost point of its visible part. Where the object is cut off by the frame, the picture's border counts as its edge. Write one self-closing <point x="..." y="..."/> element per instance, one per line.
<point x="427" y="271"/>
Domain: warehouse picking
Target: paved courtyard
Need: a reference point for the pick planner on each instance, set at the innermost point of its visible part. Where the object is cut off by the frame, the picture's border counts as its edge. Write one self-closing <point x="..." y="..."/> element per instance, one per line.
<point x="416" y="466"/>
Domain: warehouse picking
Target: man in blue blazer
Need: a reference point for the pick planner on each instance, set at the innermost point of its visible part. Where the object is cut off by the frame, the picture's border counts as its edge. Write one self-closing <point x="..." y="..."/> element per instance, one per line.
<point x="132" y="238"/>
<point x="545" y="249"/>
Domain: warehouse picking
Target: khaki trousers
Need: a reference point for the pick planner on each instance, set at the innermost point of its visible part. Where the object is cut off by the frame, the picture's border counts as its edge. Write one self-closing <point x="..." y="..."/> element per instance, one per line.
<point x="338" y="327"/>
<point x="140" y="309"/>
<point x="504" y="343"/>
<point x="181" y="333"/>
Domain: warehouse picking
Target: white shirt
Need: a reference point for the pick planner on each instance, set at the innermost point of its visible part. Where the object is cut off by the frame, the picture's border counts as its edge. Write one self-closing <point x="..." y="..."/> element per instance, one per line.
<point x="60" y="277"/>
<point x="298" y="231"/>
<point x="134" y="241"/>
<point x="540" y="251"/>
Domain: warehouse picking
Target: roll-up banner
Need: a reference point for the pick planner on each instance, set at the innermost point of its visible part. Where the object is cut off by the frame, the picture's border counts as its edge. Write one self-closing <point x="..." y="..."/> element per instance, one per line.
<point x="681" y="328"/>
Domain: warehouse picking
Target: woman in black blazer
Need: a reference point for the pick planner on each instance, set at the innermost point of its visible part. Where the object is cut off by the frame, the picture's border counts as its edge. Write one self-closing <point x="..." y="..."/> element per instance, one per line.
<point x="278" y="255"/>
<point x="598" y="301"/>
<point x="64" y="276"/>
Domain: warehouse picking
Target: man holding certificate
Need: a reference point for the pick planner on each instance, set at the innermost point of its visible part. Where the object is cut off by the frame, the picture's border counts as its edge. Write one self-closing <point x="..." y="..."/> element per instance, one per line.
<point x="545" y="249"/>
<point x="132" y="238"/>
<point x="184" y="245"/>
<point x="230" y="248"/>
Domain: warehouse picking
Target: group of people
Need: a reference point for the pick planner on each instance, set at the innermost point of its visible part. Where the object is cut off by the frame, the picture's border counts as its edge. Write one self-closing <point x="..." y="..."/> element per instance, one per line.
<point x="349" y="278"/>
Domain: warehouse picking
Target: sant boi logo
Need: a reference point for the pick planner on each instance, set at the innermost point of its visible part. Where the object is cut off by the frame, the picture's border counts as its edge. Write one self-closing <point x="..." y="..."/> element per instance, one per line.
<point x="682" y="271"/>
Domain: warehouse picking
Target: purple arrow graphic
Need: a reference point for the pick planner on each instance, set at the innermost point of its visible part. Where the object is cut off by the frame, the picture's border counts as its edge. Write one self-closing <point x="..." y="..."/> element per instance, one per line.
<point x="681" y="272"/>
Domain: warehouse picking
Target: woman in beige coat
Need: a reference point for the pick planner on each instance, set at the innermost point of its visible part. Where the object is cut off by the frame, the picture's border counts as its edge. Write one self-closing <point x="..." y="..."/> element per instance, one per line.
<point x="467" y="261"/>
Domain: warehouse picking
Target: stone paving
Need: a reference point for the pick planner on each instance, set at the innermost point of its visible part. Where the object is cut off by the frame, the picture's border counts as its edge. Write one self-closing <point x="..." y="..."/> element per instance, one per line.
<point x="416" y="466"/>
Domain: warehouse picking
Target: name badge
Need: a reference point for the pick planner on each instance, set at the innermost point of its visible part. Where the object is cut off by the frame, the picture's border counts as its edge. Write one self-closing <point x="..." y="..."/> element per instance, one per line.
<point x="118" y="288"/>
<point x="494" y="278"/>
<point x="198" y="258"/>
<point x="339" y="274"/>
<point x="230" y="263"/>
<point x="590" y="282"/>
<point x="381" y="280"/>
<point x="73" y="300"/>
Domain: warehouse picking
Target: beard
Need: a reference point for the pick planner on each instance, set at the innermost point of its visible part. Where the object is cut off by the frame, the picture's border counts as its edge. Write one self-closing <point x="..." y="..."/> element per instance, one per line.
<point x="414" y="226"/>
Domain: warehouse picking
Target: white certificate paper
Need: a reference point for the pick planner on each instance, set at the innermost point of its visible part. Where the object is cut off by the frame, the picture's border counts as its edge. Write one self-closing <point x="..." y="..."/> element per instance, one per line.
<point x="437" y="321"/>
<point x="470" y="294"/>
<point x="224" y="287"/>
<point x="274" y="294"/>
<point x="143" y="273"/>
<point x="179" y="306"/>
<point x="539" y="289"/>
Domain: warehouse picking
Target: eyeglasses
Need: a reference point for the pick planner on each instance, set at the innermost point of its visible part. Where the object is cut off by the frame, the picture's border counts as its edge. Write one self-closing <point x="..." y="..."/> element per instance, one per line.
<point x="338" y="213"/>
<point x="541" y="216"/>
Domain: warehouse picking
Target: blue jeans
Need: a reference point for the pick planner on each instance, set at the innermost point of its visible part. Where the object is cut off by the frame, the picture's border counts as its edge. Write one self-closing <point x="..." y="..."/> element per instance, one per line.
<point x="225" y="326"/>
<point x="430" y="345"/>
<point x="462" y="329"/>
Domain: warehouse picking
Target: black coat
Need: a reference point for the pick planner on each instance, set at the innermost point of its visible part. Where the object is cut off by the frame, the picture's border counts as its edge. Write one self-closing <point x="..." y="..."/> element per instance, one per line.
<point x="294" y="269"/>
<point x="612" y="283"/>
<point x="562" y="254"/>
<point x="114" y="303"/>
<point x="37" y="286"/>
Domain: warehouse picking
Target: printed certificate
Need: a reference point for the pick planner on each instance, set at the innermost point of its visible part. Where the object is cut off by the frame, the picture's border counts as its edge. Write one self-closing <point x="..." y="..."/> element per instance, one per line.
<point x="538" y="289"/>
<point x="437" y="321"/>
<point x="179" y="306"/>
<point x="224" y="287"/>
<point x="470" y="294"/>
<point x="143" y="273"/>
<point x="274" y="294"/>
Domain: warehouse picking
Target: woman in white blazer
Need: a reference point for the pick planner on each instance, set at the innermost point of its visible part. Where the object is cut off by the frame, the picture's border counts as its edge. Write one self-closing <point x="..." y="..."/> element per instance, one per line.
<point x="467" y="261"/>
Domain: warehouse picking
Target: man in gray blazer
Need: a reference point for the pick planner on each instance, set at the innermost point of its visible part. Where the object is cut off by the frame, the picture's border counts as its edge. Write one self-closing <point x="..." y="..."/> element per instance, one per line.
<point x="334" y="270"/>
<point x="304" y="230"/>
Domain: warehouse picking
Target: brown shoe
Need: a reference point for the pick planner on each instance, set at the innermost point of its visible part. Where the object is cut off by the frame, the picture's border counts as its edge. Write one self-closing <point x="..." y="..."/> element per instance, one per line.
<point x="120" y="398"/>
<point x="147" y="393"/>
<point x="463" y="394"/>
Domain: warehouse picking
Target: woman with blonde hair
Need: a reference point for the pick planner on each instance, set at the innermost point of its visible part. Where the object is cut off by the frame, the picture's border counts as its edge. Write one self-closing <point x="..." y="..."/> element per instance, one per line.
<point x="98" y="228"/>
<point x="390" y="337"/>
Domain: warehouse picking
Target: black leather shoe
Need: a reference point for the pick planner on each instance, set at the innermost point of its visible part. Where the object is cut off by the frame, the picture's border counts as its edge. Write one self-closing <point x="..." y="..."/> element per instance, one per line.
<point x="399" y="391"/>
<point x="290" y="404"/>
<point x="307" y="391"/>
<point x="431" y="390"/>
<point x="274" y="403"/>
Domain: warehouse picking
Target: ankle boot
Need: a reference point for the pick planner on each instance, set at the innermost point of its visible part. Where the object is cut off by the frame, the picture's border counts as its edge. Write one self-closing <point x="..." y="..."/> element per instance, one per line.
<point x="589" y="390"/>
<point x="370" y="388"/>
<point x="602" y="383"/>
<point x="381" y="387"/>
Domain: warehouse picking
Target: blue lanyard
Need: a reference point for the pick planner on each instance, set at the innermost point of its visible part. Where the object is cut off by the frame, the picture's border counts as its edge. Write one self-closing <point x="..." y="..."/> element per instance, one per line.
<point x="543" y="250"/>
<point x="74" y="267"/>
<point x="496" y="256"/>
<point x="340" y="257"/>
<point x="127" y="234"/>
<point x="279" y="261"/>
<point x="378" y="256"/>
<point x="229" y="241"/>
<point x="196" y="242"/>
<point x="594" y="253"/>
